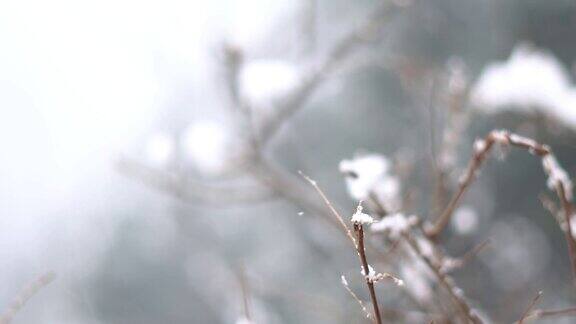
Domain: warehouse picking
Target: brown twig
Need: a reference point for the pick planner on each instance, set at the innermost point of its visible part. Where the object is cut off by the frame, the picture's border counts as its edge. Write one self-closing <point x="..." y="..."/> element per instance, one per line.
<point x="552" y="208"/>
<point x="529" y="308"/>
<point x="358" y="300"/>
<point x="553" y="170"/>
<point x="477" y="159"/>
<point x="462" y="261"/>
<point x="471" y="254"/>
<point x="359" y="230"/>
<point x="447" y="282"/>
<point x="333" y="210"/>
<point x="539" y="313"/>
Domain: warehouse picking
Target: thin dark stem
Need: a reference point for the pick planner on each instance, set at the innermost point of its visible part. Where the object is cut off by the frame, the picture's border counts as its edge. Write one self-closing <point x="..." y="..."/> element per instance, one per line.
<point x="556" y="312"/>
<point x="333" y="210"/>
<point x="464" y="309"/>
<point x="529" y="308"/>
<point x="567" y="209"/>
<point x="362" y="253"/>
<point x="469" y="255"/>
<point x="469" y="175"/>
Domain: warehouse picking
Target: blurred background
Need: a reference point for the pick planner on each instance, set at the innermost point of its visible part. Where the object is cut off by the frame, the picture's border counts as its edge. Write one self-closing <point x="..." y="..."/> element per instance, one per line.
<point x="149" y="151"/>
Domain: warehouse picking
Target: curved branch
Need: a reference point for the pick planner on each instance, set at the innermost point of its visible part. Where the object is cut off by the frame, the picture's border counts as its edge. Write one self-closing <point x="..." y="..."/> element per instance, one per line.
<point x="557" y="181"/>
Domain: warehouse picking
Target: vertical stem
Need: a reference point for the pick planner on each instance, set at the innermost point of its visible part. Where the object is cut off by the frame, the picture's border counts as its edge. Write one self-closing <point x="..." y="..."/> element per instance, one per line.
<point x="567" y="209"/>
<point x="362" y="253"/>
<point x="245" y="293"/>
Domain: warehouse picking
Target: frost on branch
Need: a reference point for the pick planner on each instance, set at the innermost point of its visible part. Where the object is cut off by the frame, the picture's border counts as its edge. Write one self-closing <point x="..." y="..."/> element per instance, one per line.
<point x="344" y="281"/>
<point x="556" y="175"/>
<point x="361" y="218"/>
<point x="479" y="146"/>
<point x="371" y="273"/>
<point x="369" y="176"/>
<point x="374" y="277"/>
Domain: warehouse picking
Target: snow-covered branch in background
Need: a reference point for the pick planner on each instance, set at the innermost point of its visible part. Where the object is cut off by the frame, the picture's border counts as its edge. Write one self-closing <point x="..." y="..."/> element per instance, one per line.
<point x="369" y="178"/>
<point x="531" y="81"/>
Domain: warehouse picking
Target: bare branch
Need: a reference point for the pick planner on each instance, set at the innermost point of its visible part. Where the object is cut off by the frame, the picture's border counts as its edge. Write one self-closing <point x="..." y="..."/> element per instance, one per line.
<point x="467" y="257"/>
<point x="245" y="291"/>
<point x="330" y="206"/>
<point x="540" y="313"/>
<point x="557" y="179"/>
<point x="358" y="300"/>
<point x="25" y="295"/>
<point x="359" y="229"/>
<point x="529" y="308"/>
<point x="339" y="52"/>
<point x="445" y="281"/>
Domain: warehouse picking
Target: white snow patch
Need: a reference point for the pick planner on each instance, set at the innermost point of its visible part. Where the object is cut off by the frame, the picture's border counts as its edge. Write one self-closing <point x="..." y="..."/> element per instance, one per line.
<point x="479" y="146"/>
<point x="394" y="225"/>
<point x="531" y="80"/>
<point x="361" y="218"/>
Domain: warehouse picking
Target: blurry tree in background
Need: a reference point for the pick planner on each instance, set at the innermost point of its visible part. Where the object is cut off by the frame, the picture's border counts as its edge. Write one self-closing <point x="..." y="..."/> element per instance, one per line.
<point x="212" y="218"/>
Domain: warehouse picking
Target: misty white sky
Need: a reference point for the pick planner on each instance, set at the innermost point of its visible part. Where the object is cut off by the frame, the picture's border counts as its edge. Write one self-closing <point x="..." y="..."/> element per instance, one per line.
<point x="80" y="83"/>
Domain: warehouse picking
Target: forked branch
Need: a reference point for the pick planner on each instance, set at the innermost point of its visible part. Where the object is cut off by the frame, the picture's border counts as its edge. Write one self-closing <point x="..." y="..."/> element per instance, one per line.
<point x="557" y="180"/>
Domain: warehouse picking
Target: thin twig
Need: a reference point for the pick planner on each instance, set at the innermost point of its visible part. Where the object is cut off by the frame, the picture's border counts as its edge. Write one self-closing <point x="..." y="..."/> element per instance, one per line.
<point x="342" y="49"/>
<point x="553" y="170"/>
<point x="551" y="207"/>
<point x="359" y="230"/>
<point x="567" y="208"/>
<point x="25" y="295"/>
<point x="358" y="300"/>
<point x="467" y="257"/>
<point x="529" y="308"/>
<point x="445" y="281"/>
<point x="245" y="292"/>
<point x="539" y="313"/>
<point x="477" y="159"/>
<point x="471" y="254"/>
<point x="336" y="214"/>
